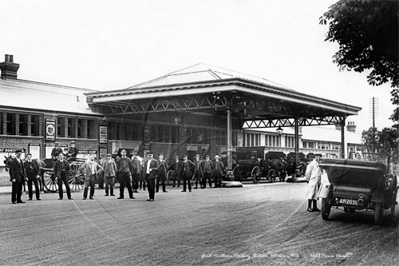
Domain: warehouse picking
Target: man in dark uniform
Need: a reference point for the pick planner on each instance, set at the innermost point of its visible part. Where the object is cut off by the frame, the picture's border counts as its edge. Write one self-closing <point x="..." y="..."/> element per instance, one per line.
<point x="136" y="175"/>
<point x="124" y="171"/>
<point x="207" y="166"/>
<point x="176" y="166"/>
<point x="17" y="177"/>
<point x="150" y="168"/>
<point x="188" y="168"/>
<point x="218" y="169"/>
<point x="61" y="168"/>
<point x="56" y="151"/>
<point x="72" y="151"/>
<point x="32" y="169"/>
<point x="198" y="171"/>
<point x="161" y="173"/>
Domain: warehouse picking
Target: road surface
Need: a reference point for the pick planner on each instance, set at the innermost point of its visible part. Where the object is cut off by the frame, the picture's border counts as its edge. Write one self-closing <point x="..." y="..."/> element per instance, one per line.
<point x="265" y="224"/>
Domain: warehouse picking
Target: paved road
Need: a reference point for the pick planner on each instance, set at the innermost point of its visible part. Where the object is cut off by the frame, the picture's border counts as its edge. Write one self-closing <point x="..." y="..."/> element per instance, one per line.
<point x="263" y="224"/>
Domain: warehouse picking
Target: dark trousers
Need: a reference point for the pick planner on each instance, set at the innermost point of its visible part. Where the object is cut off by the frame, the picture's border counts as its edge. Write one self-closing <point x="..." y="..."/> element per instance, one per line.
<point x="151" y="187"/>
<point x="217" y="177"/>
<point x="91" y="183"/>
<point x="64" y="178"/>
<point x="177" y="177"/>
<point x="206" y="176"/>
<point x="161" y="180"/>
<point x="136" y="178"/>
<point x="197" y="178"/>
<point x="32" y="178"/>
<point x="109" y="184"/>
<point x="16" y="191"/>
<point x="124" y="180"/>
<point x="186" y="179"/>
<point x="142" y="184"/>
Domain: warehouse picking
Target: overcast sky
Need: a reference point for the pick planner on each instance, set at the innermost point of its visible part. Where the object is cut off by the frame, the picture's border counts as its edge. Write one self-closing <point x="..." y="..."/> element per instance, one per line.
<point x="114" y="44"/>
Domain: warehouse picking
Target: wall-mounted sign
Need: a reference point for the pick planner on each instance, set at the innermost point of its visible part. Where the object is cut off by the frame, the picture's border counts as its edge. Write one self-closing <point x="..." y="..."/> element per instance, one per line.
<point x="50" y="130"/>
<point x="103" y="134"/>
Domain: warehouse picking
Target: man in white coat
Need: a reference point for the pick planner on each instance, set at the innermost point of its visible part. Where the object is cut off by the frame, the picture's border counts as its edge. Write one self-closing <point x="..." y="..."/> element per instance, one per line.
<point x="313" y="177"/>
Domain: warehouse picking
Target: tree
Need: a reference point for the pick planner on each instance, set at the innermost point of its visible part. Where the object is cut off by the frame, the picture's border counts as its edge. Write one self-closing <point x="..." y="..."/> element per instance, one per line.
<point x="385" y="141"/>
<point x="367" y="34"/>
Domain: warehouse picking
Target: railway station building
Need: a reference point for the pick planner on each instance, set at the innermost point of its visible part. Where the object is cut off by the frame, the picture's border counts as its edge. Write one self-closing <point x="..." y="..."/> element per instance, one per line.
<point x="201" y="109"/>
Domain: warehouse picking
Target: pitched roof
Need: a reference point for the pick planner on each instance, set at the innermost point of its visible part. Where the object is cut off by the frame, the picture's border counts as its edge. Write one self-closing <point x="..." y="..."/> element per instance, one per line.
<point x="24" y="94"/>
<point x="204" y="72"/>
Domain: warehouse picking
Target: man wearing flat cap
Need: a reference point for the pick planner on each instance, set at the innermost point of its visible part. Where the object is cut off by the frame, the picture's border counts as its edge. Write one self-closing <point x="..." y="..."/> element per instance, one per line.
<point x="109" y="174"/>
<point x="124" y="172"/>
<point x="187" y="173"/>
<point x="161" y="173"/>
<point x="17" y="177"/>
<point x="198" y="171"/>
<point x="72" y="151"/>
<point x="56" y="151"/>
<point x="207" y="166"/>
<point x="218" y="170"/>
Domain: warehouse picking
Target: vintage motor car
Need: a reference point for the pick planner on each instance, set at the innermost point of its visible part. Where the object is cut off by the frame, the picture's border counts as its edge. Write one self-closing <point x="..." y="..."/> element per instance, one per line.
<point x="358" y="185"/>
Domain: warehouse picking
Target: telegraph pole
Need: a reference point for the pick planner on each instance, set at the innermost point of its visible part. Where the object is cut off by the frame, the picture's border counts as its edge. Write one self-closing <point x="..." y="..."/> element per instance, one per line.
<point x="374" y="113"/>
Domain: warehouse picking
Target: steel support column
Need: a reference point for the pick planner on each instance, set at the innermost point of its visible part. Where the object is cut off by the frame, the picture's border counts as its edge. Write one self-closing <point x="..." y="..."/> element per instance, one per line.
<point x="296" y="126"/>
<point x="343" y="138"/>
<point x="229" y="140"/>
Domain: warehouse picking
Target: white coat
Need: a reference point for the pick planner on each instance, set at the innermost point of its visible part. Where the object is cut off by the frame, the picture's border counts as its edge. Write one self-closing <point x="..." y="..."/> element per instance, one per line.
<point x="313" y="176"/>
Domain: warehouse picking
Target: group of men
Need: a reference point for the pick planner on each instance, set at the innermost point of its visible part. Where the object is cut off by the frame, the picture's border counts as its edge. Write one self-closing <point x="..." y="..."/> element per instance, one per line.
<point x="130" y="173"/>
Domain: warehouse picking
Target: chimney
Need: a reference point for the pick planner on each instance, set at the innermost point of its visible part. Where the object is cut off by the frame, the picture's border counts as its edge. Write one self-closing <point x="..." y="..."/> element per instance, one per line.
<point x="351" y="127"/>
<point x="8" y="68"/>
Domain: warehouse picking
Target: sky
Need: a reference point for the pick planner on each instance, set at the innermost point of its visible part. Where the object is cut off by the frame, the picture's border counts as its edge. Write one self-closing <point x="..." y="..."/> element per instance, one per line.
<point x="115" y="44"/>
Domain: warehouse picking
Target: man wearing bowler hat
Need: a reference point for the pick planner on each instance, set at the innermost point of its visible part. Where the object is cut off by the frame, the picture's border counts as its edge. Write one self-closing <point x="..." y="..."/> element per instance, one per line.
<point x="17" y="177"/>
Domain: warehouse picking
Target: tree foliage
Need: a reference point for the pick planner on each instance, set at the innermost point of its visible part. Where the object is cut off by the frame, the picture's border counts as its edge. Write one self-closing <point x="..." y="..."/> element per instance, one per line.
<point x="367" y="34"/>
<point x="385" y="141"/>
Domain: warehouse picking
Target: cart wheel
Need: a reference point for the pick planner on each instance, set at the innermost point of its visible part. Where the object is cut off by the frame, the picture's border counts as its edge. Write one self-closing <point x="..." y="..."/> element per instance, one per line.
<point x="325" y="209"/>
<point x="256" y="174"/>
<point x="50" y="181"/>
<point x="75" y="178"/>
<point x="169" y="177"/>
<point x="378" y="212"/>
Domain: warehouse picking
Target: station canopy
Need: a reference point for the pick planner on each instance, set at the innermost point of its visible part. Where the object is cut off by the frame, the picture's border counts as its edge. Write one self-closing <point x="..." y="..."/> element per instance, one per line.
<point x="206" y="89"/>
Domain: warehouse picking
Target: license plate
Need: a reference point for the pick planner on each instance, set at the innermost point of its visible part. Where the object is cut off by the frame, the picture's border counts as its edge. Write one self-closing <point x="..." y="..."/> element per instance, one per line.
<point x="348" y="201"/>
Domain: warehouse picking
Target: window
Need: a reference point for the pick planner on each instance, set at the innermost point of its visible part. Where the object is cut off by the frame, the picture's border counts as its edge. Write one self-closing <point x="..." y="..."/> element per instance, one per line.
<point x="34" y="125"/>
<point x="1" y="123"/>
<point x="91" y="129"/>
<point x="70" y="127"/>
<point x="80" y="128"/>
<point x="10" y="124"/>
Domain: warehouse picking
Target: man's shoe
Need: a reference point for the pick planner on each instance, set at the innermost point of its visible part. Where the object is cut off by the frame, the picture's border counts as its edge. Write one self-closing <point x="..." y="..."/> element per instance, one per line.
<point x="183" y="191"/>
<point x="21" y="201"/>
<point x="135" y="191"/>
<point x="106" y="195"/>
<point x="120" y="198"/>
<point x="38" y="199"/>
<point x="165" y="191"/>
<point x="112" y="195"/>
<point x="150" y="200"/>
<point x="14" y="202"/>
<point x="173" y="186"/>
<point x="59" y="199"/>
<point x="132" y="198"/>
<point x="315" y="210"/>
<point x="30" y="199"/>
<point x="70" y="198"/>
<point x="310" y="210"/>
<point x="195" y="188"/>
<point x="84" y="199"/>
<point x="189" y="190"/>
<point x="91" y="198"/>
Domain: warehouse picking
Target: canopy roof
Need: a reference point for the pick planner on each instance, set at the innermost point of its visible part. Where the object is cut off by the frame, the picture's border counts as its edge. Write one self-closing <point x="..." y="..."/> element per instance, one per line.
<point x="202" y="88"/>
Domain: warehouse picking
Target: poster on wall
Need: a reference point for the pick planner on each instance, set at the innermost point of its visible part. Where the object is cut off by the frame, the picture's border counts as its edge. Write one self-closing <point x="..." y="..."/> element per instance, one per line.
<point x="103" y="134"/>
<point x="34" y="150"/>
<point x="50" y="130"/>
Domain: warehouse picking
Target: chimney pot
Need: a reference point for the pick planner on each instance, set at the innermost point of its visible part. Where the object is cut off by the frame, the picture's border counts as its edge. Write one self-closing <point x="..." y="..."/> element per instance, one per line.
<point x="8" y="68"/>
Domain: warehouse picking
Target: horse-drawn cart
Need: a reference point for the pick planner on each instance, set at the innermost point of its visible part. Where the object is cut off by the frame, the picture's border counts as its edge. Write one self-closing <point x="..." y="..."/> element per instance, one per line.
<point x="358" y="185"/>
<point x="50" y="181"/>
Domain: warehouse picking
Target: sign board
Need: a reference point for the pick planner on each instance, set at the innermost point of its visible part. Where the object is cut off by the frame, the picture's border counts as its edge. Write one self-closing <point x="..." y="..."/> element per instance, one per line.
<point x="35" y="151"/>
<point x="103" y="134"/>
<point x="50" y="130"/>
